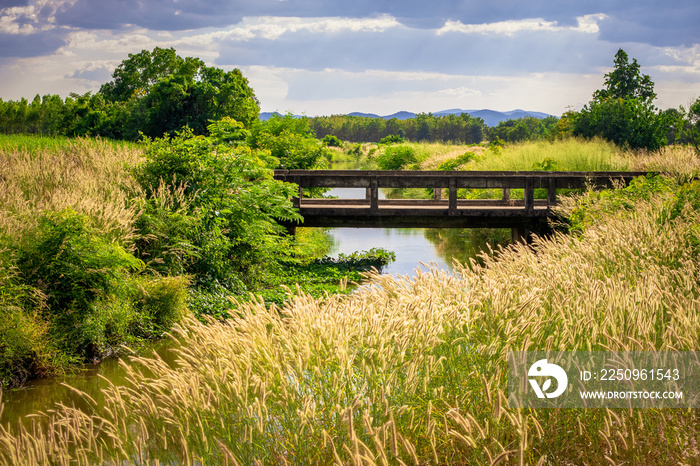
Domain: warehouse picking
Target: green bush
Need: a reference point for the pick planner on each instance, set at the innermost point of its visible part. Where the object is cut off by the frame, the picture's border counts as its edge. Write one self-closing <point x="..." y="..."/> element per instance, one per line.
<point x="25" y="349"/>
<point x="396" y="158"/>
<point x="362" y="260"/>
<point x="595" y="204"/>
<point x="332" y="141"/>
<point x="68" y="261"/>
<point x="163" y="301"/>
<point x="457" y="162"/>
<point x="214" y="208"/>
<point x="392" y="139"/>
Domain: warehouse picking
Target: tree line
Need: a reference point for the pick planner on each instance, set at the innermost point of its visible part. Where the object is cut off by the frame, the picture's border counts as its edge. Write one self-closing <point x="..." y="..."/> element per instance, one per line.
<point x="152" y="93"/>
<point x="461" y="129"/>
<point x="157" y="93"/>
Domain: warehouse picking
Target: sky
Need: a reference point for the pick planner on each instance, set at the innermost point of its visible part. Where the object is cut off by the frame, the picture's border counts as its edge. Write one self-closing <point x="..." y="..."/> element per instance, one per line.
<point x="323" y="57"/>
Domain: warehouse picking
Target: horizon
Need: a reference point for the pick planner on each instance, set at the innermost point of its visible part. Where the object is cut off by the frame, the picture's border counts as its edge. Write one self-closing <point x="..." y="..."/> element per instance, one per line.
<point x="456" y="111"/>
<point x="317" y="57"/>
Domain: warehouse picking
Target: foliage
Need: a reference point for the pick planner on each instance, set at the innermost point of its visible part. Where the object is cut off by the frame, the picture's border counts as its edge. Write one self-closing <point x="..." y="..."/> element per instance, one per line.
<point x="457" y="162"/>
<point x="396" y="158"/>
<point x="392" y="139"/>
<point x="626" y="82"/>
<point x="424" y="127"/>
<point x="523" y="129"/>
<point x="213" y="207"/>
<point x="331" y="141"/>
<point x="163" y="301"/>
<point x="152" y="93"/>
<point x="25" y="349"/>
<point x="594" y="205"/>
<point x="67" y="261"/>
<point x="291" y="141"/>
<point x="623" y="112"/>
<point x="626" y="122"/>
<point x="691" y="128"/>
<point x="362" y="260"/>
<point x="323" y="276"/>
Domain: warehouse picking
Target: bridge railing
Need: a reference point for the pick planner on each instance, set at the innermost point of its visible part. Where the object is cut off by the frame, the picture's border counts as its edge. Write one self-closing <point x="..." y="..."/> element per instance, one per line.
<point x="528" y="181"/>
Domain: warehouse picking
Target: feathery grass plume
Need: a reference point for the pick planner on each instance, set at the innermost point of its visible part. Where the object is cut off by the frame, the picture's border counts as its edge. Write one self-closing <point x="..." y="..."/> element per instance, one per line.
<point x="87" y="175"/>
<point x="413" y="370"/>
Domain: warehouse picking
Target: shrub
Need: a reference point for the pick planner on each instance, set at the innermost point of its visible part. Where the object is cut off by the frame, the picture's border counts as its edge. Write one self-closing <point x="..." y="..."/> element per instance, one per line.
<point x="25" y="349"/>
<point x="396" y="158"/>
<point x="163" y="301"/>
<point x="214" y="208"/>
<point x="392" y="139"/>
<point x="67" y="260"/>
<point x="330" y="140"/>
<point x="457" y="162"/>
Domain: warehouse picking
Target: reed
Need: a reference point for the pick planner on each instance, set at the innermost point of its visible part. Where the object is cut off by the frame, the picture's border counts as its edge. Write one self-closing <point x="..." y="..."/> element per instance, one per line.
<point x="50" y="174"/>
<point x="411" y="370"/>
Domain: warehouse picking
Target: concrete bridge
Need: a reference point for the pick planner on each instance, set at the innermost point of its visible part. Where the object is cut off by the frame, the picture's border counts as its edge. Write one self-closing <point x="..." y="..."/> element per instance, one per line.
<point x="523" y="215"/>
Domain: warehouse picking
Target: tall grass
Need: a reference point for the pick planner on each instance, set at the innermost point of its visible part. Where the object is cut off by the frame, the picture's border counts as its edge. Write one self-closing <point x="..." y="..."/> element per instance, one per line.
<point x="568" y="154"/>
<point x="412" y="371"/>
<point x="51" y="174"/>
<point x="69" y="290"/>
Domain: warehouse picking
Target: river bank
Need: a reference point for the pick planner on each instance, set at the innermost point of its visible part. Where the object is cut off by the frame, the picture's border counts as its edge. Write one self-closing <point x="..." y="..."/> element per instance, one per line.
<point x="415" y="369"/>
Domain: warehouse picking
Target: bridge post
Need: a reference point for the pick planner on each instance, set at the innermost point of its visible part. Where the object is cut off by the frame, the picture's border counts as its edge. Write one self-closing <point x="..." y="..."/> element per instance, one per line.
<point x="506" y="195"/>
<point x="529" y="194"/>
<point x="551" y="193"/>
<point x="296" y="201"/>
<point x="452" y="205"/>
<point x="437" y="193"/>
<point x="520" y="235"/>
<point x="374" y="194"/>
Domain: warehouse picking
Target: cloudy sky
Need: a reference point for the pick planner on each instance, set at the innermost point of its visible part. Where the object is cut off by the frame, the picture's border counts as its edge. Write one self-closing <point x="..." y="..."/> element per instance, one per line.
<point x="320" y="57"/>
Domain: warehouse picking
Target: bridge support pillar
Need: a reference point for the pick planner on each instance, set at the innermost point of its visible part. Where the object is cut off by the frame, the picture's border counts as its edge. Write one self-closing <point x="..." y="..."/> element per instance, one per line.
<point x="523" y="233"/>
<point x="520" y="235"/>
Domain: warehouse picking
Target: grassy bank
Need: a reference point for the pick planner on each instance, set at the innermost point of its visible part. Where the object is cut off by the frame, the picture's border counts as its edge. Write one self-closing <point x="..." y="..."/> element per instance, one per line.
<point x="97" y="251"/>
<point x="415" y="370"/>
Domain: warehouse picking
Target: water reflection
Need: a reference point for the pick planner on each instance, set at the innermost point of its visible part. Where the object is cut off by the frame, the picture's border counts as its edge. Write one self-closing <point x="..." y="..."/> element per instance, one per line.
<point x="412" y="246"/>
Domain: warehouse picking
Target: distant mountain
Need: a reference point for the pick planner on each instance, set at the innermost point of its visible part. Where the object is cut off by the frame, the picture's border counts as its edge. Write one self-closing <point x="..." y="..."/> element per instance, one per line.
<point x="493" y="117"/>
<point x="365" y="115"/>
<point x="400" y="116"/>
<point x="264" y="116"/>
<point x="490" y="117"/>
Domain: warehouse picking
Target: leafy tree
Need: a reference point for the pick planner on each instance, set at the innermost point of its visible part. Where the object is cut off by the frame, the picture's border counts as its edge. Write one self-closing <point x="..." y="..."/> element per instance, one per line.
<point x="135" y="76"/>
<point x="623" y="111"/>
<point x="291" y="141"/>
<point x="224" y="230"/>
<point x="626" y="82"/>
<point x="692" y="128"/>
<point x="168" y="92"/>
<point x="626" y="122"/>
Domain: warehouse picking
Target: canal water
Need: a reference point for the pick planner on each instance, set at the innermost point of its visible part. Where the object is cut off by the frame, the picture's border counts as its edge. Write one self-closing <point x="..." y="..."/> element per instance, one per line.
<point x="412" y="247"/>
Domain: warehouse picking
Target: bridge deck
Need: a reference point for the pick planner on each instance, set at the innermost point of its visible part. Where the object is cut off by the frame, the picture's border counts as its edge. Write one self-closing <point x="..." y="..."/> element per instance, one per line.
<point x="526" y="213"/>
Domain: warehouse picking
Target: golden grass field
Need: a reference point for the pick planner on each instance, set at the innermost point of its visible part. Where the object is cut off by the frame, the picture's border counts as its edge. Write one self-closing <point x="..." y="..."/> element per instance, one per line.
<point x="413" y="370"/>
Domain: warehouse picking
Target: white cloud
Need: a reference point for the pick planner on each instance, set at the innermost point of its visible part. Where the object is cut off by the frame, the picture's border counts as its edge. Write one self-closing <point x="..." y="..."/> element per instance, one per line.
<point x="586" y="24"/>
<point x="272" y="28"/>
<point x="460" y="92"/>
